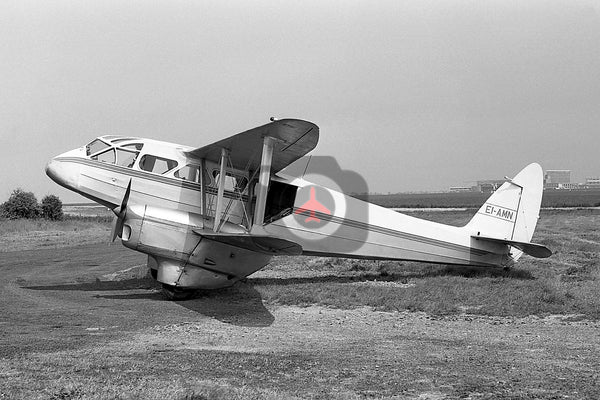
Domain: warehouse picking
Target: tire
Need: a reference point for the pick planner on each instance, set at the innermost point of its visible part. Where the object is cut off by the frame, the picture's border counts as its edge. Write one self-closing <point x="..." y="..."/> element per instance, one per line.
<point x="175" y="293"/>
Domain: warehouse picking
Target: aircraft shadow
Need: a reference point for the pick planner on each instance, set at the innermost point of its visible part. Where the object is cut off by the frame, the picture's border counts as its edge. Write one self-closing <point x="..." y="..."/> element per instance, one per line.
<point x="239" y="305"/>
<point x="478" y="272"/>
<point x="100" y="286"/>
<point x="242" y="304"/>
<point x="401" y="277"/>
<point x="241" y="290"/>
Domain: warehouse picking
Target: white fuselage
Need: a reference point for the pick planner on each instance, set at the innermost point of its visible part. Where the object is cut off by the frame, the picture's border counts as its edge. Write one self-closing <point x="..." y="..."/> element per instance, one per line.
<point x="105" y="182"/>
<point x="354" y="228"/>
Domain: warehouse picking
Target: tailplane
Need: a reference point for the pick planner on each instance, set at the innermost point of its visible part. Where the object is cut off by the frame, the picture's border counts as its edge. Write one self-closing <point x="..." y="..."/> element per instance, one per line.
<point x="511" y="213"/>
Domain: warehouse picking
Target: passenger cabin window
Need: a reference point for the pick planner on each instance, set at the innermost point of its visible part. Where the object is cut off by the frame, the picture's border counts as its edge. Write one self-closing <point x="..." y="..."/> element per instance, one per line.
<point x="155" y="164"/>
<point x="106" y="157"/>
<point x="189" y="173"/>
<point x="126" y="158"/>
<point x="95" y="146"/>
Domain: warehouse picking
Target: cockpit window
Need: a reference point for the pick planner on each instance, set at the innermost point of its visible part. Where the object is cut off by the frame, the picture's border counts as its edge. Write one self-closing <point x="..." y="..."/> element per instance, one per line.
<point x="126" y="158"/>
<point x="95" y="146"/>
<point x="105" y="157"/>
<point x="121" y="139"/>
<point x="155" y="164"/>
<point x="134" y="146"/>
<point x="110" y="137"/>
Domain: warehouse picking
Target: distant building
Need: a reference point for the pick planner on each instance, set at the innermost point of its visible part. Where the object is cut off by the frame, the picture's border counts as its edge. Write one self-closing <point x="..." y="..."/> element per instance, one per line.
<point x="456" y="189"/>
<point x="557" y="179"/>
<point x="592" y="183"/>
<point x="558" y="176"/>
<point x="489" y="186"/>
<point x="570" y="186"/>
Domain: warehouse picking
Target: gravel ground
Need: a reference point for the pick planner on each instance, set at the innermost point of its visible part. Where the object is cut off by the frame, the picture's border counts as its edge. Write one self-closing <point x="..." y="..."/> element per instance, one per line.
<point x="81" y="318"/>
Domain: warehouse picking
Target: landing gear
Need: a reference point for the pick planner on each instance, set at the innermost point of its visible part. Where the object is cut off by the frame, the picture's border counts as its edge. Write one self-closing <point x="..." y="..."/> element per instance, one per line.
<point x="176" y="293"/>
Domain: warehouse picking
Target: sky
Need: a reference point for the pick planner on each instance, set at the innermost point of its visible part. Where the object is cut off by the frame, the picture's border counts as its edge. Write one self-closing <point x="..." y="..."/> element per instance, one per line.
<point x="411" y="95"/>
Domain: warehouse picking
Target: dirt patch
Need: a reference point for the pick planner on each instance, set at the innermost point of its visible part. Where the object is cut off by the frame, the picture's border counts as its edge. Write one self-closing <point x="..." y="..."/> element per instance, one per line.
<point x="85" y="322"/>
<point x="98" y="331"/>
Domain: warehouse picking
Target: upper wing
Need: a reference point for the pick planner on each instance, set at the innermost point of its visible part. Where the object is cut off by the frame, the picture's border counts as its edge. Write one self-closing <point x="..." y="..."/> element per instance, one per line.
<point x="294" y="138"/>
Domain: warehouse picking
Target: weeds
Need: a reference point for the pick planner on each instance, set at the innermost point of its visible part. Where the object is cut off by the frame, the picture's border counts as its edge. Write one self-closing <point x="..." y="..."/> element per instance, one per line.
<point x="551" y="198"/>
<point x="480" y="362"/>
<point x="566" y="283"/>
<point x="30" y="234"/>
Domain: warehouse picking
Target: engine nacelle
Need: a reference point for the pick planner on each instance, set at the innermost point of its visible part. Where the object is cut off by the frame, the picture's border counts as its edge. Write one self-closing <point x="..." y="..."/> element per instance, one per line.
<point x="183" y="258"/>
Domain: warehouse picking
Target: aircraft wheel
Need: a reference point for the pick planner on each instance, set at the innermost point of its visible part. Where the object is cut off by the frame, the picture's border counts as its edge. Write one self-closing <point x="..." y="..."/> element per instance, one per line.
<point x="176" y="293"/>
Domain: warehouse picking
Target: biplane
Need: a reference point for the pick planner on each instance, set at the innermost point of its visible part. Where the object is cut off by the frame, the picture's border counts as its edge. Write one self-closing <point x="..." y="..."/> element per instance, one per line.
<point x="208" y="217"/>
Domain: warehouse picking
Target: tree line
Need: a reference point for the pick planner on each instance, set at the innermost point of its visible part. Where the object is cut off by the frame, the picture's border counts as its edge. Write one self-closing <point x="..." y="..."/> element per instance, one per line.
<point x="22" y="204"/>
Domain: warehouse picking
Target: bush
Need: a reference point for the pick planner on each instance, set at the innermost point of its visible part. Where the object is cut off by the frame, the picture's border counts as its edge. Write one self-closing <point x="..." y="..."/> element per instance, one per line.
<point x="21" y="204"/>
<point x="52" y="208"/>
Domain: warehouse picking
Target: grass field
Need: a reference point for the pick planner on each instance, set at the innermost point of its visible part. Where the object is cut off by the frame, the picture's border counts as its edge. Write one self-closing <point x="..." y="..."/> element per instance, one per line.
<point x="31" y="234"/>
<point x="566" y="283"/>
<point x="551" y="198"/>
<point x="79" y="323"/>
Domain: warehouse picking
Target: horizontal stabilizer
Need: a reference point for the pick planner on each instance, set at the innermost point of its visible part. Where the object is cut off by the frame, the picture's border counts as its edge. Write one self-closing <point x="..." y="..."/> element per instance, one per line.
<point x="260" y="244"/>
<point x="533" y="249"/>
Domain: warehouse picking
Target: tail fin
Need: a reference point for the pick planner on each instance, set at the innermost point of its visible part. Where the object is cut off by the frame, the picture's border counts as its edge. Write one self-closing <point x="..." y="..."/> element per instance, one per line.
<point x="511" y="213"/>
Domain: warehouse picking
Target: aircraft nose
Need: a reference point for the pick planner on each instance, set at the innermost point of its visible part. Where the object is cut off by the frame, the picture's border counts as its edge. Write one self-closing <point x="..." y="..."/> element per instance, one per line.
<point x="52" y="170"/>
<point x="60" y="173"/>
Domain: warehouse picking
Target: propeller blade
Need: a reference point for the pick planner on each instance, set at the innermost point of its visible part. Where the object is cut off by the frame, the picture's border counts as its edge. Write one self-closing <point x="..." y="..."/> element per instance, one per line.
<point x="126" y="197"/>
<point x="115" y="228"/>
<point x="120" y="213"/>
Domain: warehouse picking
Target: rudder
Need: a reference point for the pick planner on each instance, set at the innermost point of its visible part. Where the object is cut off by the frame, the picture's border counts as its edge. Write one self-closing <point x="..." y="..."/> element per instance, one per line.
<point x="512" y="211"/>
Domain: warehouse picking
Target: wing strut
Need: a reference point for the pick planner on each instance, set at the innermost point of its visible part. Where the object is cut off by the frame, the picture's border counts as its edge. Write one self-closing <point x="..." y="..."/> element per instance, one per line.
<point x="222" y="176"/>
<point x="263" y="180"/>
<point x="202" y="186"/>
